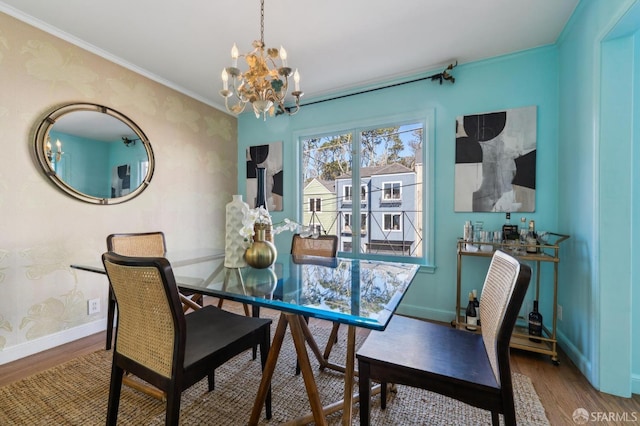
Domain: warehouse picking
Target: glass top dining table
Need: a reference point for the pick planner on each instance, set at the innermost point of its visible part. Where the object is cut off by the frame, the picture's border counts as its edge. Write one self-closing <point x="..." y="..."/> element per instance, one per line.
<point x="354" y="292"/>
<point x="363" y="293"/>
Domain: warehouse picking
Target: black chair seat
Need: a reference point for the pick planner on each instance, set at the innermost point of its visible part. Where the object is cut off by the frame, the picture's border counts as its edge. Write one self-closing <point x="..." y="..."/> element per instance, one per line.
<point x="232" y="333"/>
<point x="435" y="357"/>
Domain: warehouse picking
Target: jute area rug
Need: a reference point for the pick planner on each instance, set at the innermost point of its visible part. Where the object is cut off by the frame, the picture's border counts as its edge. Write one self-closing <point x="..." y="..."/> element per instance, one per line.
<point x="76" y="393"/>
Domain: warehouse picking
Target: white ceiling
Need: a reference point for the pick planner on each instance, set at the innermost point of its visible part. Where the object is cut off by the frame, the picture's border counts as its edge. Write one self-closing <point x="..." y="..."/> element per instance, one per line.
<point x="336" y="44"/>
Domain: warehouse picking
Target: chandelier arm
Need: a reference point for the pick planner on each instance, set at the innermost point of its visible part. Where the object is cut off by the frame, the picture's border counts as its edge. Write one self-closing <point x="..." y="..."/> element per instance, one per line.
<point x="238" y="108"/>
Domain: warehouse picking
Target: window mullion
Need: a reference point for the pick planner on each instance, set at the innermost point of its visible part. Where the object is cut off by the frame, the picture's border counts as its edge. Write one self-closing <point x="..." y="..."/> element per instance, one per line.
<point x="355" y="193"/>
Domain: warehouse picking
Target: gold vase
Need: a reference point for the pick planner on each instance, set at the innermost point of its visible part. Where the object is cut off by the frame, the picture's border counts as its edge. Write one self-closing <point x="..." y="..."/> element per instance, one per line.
<point x="262" y="253"/>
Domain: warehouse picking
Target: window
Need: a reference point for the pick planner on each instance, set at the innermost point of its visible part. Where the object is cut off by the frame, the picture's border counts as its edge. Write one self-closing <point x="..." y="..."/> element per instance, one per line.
<point x="391" y="191"/>
<point x="347" y="193"/>
<point x="392" y="222"/>
<point x="315" y="204"/>
<point x="347" y="222"/>
<point x="388" y="163"/>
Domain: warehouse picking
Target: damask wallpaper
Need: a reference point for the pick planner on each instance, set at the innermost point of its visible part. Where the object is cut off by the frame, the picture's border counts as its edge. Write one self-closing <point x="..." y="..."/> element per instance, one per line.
<point x="43" y="231"/>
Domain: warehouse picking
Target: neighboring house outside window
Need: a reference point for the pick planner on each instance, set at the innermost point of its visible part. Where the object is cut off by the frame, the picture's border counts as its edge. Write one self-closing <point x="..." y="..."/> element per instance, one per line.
<point x="388" y="211"/>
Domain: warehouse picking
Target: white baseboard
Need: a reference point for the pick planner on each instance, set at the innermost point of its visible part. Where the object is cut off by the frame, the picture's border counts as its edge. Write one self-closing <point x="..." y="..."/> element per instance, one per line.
<point x="31" y="347"/>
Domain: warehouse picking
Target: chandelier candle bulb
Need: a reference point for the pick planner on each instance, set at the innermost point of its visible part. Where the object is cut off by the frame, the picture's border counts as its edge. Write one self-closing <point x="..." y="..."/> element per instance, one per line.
<point x="234" y="56"/>
<point x="225" y="80"/>
<point x="296" y="80"/>
<point x="283" y="56"/>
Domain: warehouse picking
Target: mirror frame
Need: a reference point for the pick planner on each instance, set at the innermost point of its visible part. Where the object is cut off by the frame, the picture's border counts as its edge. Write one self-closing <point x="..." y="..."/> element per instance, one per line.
<point x="40" y="140"/>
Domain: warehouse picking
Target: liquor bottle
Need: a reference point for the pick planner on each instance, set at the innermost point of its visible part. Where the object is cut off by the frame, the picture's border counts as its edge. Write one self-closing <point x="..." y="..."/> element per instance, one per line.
<point x="471" y="319"/>
<point x="522" y="230"/>
<point x="532" y="238"/>
<point x="476" y="304"/>
<point x="509" y="231"/>
<point x="535" y="323"/>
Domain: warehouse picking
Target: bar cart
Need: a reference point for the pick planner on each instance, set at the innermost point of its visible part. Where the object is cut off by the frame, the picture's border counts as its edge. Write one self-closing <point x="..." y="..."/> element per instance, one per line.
<point x="547" y="251"/>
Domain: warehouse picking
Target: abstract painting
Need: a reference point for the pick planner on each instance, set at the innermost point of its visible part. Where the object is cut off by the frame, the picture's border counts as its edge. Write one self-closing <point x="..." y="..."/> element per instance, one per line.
<point x="270" y="157"/>
<point x="495" y="168"/>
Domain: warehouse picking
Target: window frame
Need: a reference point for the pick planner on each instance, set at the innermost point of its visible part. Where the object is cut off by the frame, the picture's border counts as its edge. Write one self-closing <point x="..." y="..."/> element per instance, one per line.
<point x="315" y="205"/>
<point x="426" y="117"/>
<point x="392" y="215"/>
<point x="392" y="183"/>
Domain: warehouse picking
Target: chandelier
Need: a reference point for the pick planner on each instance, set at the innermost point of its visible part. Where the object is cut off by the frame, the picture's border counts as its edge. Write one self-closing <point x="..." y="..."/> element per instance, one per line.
<point x="265" y="84"/>
<point x="54" y="157"/>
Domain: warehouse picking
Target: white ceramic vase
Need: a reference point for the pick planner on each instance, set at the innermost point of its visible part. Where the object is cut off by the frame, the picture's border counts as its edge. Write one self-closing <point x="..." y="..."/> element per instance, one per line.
<point x="234" y="247"/>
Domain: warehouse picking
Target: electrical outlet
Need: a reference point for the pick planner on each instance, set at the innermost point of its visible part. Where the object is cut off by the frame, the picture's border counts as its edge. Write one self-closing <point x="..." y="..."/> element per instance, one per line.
<point x="559" y="312"/>
<point x="93" y="306"/>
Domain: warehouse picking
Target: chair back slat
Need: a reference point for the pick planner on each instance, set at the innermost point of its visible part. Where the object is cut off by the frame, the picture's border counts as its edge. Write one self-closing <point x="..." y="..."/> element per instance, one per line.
<point x="323" y="246"/>
<point x="147" y="244"/>
<point x="148" y="335"/>
<point x="497" y="291"/>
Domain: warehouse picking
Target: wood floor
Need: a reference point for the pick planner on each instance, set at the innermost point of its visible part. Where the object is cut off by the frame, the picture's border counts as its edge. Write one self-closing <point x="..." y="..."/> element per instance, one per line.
<point x="562" y="389"/>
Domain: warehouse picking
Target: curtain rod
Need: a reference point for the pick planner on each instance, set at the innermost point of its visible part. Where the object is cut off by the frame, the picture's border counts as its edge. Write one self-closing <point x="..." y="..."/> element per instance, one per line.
<point x="444" y="75"/>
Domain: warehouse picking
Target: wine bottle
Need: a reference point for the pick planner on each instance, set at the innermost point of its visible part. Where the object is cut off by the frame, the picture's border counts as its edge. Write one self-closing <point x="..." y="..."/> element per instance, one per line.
<point x="532" y="238"/>
<point x="476" y="304"/>
<point x="509" y="231"/>
<point x="471" y="319"/>
<point x="535" y="323"/>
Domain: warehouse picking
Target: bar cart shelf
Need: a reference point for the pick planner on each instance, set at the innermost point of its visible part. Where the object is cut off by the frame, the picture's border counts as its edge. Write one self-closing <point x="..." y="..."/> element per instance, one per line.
<point x="546" y="252"/>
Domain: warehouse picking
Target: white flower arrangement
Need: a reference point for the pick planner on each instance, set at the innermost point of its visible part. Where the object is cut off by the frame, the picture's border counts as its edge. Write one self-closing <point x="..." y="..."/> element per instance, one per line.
<point x="260" y="215"/>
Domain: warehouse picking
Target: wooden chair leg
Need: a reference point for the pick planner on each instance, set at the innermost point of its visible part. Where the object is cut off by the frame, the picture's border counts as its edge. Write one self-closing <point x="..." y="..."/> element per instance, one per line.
<point x="495" y="418"/>
<point x="211" y="380"/>
<point x="264" y="353"/>
<point x="383" y="395"/>
<point x="173" y="407"/>
<point x="111" y="308"/>
<point x="114" y="395"/>
<point x="509" y="414"/>
<point x="364" y="388"/>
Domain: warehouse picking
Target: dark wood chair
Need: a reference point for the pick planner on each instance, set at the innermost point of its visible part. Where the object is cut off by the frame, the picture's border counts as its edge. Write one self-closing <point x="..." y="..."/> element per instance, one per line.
<point x="322" y="246"/>
<point x="145" y="244"/>
<point x="160" y="344"/>
<point x="471" y="367"/>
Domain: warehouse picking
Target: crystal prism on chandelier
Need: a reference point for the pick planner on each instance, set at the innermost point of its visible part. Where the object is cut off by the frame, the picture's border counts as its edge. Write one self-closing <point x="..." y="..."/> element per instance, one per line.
<point x="264" y="84"/>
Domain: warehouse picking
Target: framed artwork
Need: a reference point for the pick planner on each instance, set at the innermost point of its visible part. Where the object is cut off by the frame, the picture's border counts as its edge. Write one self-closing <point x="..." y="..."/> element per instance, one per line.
<point x="120" y="180"/>
<point x="495" y="169"/>
<point x="270" y="157"/>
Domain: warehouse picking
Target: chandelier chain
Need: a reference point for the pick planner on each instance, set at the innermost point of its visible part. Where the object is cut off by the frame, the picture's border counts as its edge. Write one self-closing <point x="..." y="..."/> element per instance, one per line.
<point x="262" y="22"/>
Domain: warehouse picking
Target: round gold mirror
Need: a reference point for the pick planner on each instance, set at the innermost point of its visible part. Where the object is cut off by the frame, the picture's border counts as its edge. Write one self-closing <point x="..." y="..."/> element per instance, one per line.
<point x="94" y="153"/>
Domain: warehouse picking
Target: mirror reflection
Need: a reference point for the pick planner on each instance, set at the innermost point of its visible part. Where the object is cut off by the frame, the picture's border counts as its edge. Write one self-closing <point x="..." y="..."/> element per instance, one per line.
<point x="94" y="153"/>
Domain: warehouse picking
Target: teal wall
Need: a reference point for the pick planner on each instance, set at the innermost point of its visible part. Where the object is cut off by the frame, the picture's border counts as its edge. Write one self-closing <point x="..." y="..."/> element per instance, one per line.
<point x="87" y="164"/>
<point x="85" y="169"/>
<point x="585" y="88"/>
<point x="635" y="208"/>
<point x="518" y="80"/>
<point x="595" y="156"/>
